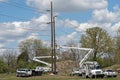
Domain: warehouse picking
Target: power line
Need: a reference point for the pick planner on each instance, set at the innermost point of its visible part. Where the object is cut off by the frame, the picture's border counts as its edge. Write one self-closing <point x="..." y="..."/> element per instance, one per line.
<point x="19" y="48"/>
<point x="74" y="26"/>
<point x="31" y="8"/>
<point x="15" y="4"/>
<point x="39" y="35"/>
<point x="27" y="34"/>
<point x="35" y="29"/>
<point x="69" y="23"/>
<point x="5" y="15"/>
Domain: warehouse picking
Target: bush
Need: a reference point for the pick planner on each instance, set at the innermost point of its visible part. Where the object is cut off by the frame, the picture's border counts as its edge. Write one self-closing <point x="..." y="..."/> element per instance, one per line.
<point x="105" y="62"/>
<point x="3" y="67"/>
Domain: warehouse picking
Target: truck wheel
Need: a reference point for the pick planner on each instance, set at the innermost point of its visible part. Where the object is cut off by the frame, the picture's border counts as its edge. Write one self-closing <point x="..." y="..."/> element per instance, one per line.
<point x="83" y="75"/>
<point x="102" y="76"/>
<point x="17" y="75"/>
<point x="90" y="75"/>
<point x="106" y="76"/>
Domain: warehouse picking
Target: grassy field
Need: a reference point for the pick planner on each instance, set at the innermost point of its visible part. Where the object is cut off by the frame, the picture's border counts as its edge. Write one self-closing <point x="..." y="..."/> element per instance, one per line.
<point x="49" y="77"/>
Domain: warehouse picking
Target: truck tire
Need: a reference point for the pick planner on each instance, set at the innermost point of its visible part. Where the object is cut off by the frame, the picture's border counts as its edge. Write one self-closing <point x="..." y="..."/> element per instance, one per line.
<point x="83" y="75"/>
<point x="115" y="76"/>
<point x="90" y="76"/>
<point x="102" y="76"/>
<point x="17" y="75"/>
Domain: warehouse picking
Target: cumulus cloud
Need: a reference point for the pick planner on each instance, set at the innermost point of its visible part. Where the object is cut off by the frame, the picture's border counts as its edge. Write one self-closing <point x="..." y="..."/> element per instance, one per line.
<point x="67" y="38"/>
<point x="68" y="5"/>
<point x="105" y="16"/>
<point x="108" y="20"/>
<point x="71" y="23"/>
<point x="109" y="27"/>
<point x="101" y="17"/>
<point x="17" y="31"/>
<point x="114" y="29"/>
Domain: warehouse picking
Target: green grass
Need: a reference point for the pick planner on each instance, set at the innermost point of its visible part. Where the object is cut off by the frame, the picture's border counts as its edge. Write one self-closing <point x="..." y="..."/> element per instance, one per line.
<point x="48" y="77"/>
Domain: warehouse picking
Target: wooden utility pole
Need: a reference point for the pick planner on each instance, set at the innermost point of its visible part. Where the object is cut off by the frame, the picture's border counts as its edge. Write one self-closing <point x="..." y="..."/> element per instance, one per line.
<point x="52" y="45"/>
<point x="54" y="48"/>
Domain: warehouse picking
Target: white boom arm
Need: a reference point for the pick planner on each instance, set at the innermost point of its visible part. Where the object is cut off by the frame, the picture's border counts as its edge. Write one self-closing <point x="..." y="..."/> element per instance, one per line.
<point x="40" y="57"/>
<point x="90" y="51"/>
<point x="85" y="57"/>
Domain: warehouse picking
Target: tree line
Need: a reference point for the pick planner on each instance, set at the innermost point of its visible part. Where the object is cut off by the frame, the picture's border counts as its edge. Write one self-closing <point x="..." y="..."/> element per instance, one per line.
<point x="106" y="51"/>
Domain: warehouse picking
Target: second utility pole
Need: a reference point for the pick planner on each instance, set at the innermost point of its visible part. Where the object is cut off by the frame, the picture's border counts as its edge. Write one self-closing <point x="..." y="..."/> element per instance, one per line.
<point x="54" y="45"/>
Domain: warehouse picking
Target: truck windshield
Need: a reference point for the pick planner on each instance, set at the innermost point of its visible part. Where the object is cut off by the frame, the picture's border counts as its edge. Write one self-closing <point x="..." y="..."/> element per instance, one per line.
<point x="94" y="67"/>
<point x="98" y="67"/>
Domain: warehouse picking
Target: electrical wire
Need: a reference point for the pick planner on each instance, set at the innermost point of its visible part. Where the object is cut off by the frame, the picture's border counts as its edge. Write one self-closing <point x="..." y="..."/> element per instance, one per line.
<point x="31" y="8"/>
<point x="15" y="4"/>
<point x="5" y="48"/>
<point x="5" y="15"/>
<point x="34" y="29"/>
<point x="69" y="23"/>
<point x="74" y="26"/>
<point x="40" y="35"/>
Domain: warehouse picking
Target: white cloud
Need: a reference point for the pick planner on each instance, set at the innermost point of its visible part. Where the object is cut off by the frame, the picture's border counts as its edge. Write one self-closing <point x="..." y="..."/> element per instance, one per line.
<point x="67" y="38"/>
<point x="116" y="26"/>
<point x="68" y="5"/>
<point x="71" y="23"/>
<point x="108" y="20"/>
<point x="114" y="29"/>
<point x="102" y="17"/>
<point x="16" y="31"/>
<point x="82" y="27"/>
<point x="106" y="16"/>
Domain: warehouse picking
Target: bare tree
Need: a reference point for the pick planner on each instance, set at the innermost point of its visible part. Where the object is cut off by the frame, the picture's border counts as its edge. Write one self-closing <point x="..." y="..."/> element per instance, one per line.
<point x="33" y="47"/>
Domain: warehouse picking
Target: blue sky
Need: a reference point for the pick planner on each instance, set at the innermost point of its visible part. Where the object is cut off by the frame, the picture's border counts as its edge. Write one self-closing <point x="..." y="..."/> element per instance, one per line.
<point x="73" y="18"/>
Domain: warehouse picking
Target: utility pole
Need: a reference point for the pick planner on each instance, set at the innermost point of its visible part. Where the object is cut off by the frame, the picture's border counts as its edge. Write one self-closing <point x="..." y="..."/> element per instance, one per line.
<point x="52" y="45"/>
<point x="54" y="48"/>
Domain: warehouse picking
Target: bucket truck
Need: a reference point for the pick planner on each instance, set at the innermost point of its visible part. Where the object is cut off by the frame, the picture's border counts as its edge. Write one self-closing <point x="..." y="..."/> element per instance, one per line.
<point x="87" y="68"/>
<point x="44" y="69"/>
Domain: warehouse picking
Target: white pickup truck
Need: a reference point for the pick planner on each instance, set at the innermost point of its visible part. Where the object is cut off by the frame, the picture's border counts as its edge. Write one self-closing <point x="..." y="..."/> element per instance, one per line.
<point x="110" y="73"/>
<point x="22" y="72"/>
<point x="76" y="72"/>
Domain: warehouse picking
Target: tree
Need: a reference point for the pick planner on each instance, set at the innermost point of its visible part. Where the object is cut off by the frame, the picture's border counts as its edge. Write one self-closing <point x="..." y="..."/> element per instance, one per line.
<point x="10" y="57"/>
<point x="98" y="39"/>
<point x="30" y="48"/>
<point x="117" y="47"/>
<point x="22" y="60"/>
<point x="33" y="47"/>
<point x="3" y="66"/>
